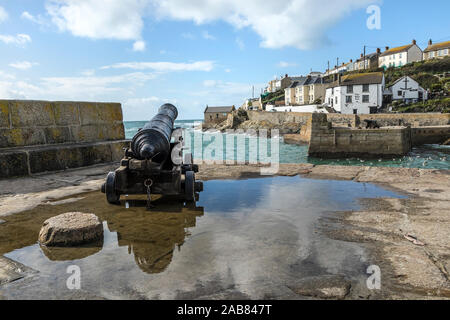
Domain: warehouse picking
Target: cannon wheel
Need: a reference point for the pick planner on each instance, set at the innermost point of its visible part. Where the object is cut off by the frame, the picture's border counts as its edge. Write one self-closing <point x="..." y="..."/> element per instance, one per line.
<point x="112" y="196"/>
<point x="189" y="186"/>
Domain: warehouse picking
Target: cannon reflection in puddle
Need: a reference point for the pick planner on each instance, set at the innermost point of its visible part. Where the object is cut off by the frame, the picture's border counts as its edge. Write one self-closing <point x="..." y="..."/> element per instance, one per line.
<point x="152" y="238"/>
<point x="154" y="163"/>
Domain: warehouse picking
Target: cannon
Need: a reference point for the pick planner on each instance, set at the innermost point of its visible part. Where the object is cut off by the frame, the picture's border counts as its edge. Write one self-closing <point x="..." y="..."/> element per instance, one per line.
<point x="154" y="163"/>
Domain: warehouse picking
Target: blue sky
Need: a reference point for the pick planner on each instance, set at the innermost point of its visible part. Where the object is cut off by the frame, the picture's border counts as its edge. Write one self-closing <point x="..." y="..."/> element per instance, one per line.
<point x="143" y="53"/>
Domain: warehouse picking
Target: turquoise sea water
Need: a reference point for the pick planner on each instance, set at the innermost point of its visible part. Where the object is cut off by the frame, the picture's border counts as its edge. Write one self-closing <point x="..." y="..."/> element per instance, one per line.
<point x="426" y="156"/>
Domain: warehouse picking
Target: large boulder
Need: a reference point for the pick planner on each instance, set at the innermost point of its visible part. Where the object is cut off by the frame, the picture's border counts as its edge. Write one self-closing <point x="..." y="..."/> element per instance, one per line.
<point x="71" y="229"/>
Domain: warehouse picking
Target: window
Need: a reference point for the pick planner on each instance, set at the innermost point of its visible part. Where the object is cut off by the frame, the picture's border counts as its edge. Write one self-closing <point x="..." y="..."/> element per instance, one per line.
<point x="399" y="93"/>
<point x="365" y="98"/>
<point x="224" y="114"/>
<point x="349" y="89"/>
<point x="348" y="99"/>
<point x="336" y="100"/>
<point x="217" y="116"/>
<point x="365" y="88"/>
<point x="355" y="111"/>
<point x="399" y="55"/>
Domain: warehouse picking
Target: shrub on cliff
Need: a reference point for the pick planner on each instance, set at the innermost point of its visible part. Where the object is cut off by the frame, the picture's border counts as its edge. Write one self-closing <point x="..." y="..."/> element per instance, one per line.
<point x="434" y="105"/>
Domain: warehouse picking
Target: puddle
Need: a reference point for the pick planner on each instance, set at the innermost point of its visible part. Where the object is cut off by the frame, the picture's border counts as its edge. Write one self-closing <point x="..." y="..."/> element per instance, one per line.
<point x="243" y="239"/>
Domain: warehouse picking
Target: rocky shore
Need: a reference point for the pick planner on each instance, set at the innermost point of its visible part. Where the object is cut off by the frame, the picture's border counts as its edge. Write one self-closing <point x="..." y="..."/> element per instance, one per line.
<point x="407" y="238"/>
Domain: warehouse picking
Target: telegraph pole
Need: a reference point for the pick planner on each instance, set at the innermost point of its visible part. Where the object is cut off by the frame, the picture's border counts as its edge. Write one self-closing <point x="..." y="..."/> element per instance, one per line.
<point x="364" y="57"/>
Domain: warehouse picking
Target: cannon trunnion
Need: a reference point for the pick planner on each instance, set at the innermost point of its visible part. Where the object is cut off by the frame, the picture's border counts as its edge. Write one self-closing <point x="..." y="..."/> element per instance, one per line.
<point x="153" y="164"/>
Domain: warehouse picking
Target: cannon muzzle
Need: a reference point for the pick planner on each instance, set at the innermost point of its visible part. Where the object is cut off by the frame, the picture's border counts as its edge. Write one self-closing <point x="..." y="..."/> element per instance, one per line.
<point x="153" y="140"/>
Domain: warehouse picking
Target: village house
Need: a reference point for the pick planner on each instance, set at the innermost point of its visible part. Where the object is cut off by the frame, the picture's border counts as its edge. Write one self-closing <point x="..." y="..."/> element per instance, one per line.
<point x="438" y="50"/>
<point x="367" y="62"/>
<point x="305" y="90"/>
<point x="279" y="84"/>
<point x="344" y="67"/>
<point x="360" y="93"/>
<point x="252" y="104"/>
<point x="399" y="56"/>
<point x="407" y="90"/>
<point x="215" y="115"/>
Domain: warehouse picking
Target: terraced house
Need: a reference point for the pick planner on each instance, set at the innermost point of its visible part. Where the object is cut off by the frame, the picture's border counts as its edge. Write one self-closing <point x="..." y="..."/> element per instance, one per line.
<point x="399" y="56"/>
<point x="305" y="90"/>
<point x="360" y="93"/>
<point x="369" y="61"/>
<point x="438" y="50"/>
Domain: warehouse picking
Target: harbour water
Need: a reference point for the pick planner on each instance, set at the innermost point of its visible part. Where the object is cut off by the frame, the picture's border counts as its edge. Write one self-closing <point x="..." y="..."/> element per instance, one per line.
<point x="426" y="156"/>
<point x="243" y="239"/>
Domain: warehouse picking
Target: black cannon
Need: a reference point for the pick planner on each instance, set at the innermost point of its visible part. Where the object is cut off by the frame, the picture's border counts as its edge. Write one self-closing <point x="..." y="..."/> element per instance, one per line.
<point x="154" y="163"/>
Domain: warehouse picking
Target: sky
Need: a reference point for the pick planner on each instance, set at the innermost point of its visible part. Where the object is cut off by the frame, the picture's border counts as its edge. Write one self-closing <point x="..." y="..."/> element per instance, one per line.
<point x="143" y="53"/>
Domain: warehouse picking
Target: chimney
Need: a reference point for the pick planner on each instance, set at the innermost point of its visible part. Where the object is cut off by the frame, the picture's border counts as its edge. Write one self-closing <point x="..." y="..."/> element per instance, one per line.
<point x="387" y="48"/>
<point x="339" y="78"/>
<point x="430" y="42"/>
<point x="378" y="50"/>
<point x="362" y="55"/>
<point x="286" y="75"/>
<point x="351" y="60"/>
<point x="414" y="41"/>
<point x="343" y="63"/>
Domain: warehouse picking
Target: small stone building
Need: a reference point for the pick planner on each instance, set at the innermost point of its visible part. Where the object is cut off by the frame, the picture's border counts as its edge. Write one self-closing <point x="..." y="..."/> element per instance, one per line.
<point x="217" y="114"/>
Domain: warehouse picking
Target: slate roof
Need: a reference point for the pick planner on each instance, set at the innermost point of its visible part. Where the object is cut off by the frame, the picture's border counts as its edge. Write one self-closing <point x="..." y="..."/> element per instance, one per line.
<point x="396" y="50"/>
<point x="438" y="46"/>
<point x="219" y="109"/>
<point x="358" y="78"/>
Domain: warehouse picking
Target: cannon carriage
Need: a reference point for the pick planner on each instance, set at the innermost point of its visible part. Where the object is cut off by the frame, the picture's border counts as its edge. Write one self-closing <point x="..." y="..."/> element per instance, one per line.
<point x="154" y="163"/>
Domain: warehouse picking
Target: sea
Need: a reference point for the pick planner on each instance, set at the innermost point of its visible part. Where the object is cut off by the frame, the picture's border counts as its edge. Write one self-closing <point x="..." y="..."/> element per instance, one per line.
<point x="209" y="146"/>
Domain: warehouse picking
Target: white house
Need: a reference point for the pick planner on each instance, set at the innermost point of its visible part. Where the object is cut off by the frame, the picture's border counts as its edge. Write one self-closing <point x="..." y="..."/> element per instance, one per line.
<point x="399" y="56"/>
<point x="360" y="93"/>
<point x="408" y="90"/>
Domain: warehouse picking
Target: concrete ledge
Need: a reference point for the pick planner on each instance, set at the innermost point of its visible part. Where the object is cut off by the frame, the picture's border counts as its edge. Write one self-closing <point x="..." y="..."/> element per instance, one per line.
<point x="16" y="162"/>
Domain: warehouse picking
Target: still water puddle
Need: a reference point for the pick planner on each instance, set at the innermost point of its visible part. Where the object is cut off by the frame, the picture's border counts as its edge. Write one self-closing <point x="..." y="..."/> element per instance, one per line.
<point x="243" y="239"/>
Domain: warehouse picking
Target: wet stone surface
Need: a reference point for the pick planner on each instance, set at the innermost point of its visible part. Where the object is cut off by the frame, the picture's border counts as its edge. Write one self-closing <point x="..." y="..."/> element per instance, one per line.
<point x="245" y="239"/>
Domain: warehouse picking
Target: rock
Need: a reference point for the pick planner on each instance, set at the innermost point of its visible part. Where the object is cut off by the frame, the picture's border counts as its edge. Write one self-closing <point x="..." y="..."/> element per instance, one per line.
<point x="2" y="221"/>
<point x="446" y="143"/>
<point x="11" y="270"/>
<point x="71" y="229"/>
<point x="324" y="287"/>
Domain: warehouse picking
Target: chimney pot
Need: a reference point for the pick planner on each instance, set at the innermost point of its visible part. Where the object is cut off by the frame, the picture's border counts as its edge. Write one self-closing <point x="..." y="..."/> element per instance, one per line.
<point x="378" y="50"/>
<point x="387" y="48"/>
<point x="351" y="60"/>
<point x="362" y="55"/>
<point x="414" y="41"/>
<point x="430" y="42"/>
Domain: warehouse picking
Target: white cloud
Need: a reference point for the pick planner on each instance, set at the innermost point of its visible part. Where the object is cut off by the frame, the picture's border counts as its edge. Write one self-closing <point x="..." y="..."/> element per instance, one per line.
<point x="139" y="45"/>
<point x="99" y="88"/>
<point x="164" y="66"/>
<point x="99" y="19"/>
<point x="284" y="64"/>
<point x="3" y="15"/>
<point x="297" y="23"/>
<point x="23" y="65"/>
<point x="19" y="39"/>
<point x="38" y="19"/>
<point x="206" y="35"/>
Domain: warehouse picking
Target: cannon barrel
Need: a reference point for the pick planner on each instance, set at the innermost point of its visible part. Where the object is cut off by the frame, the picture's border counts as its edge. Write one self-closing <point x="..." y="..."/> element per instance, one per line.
<point x="153" y="140"/>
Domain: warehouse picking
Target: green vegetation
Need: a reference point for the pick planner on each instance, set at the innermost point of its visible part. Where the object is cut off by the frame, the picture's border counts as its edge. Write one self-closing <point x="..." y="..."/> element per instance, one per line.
<point x="434" y="105"/>
<point x="423" y="72"/>
<point x="273" y="96"/>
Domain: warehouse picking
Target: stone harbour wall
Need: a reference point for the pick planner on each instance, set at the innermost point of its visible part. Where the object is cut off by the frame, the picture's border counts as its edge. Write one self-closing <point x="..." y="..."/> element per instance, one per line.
<point x="38" y="136"/>
<point x="30" y="122"/>
<point x="335" y="142"/>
